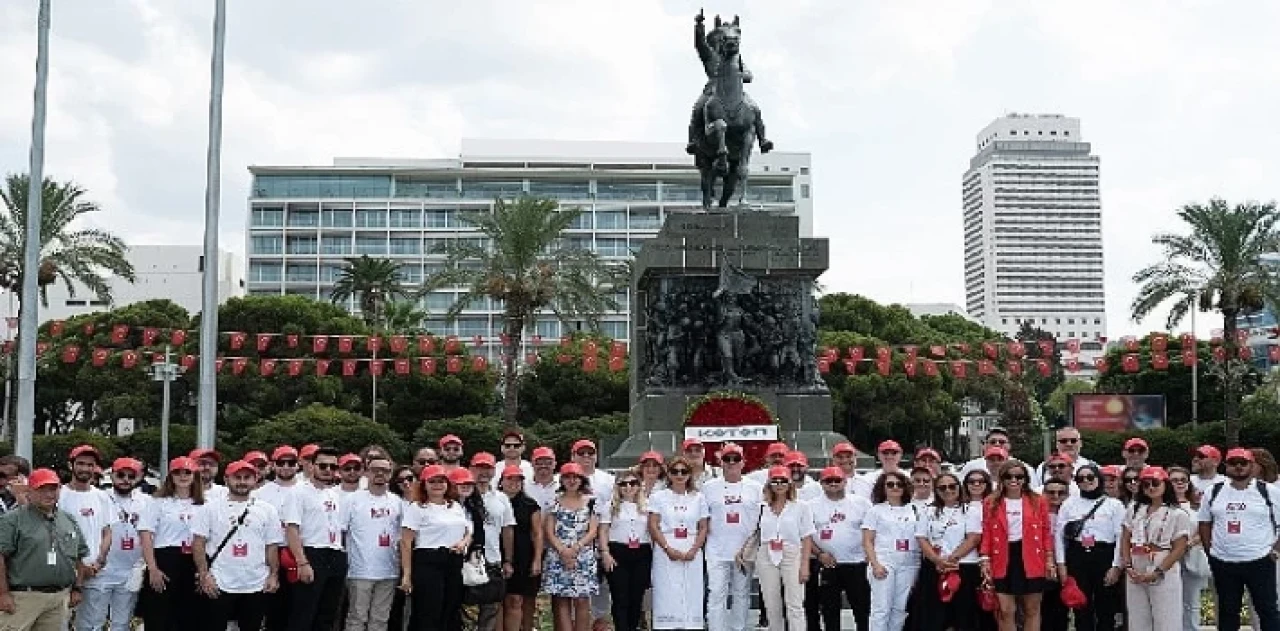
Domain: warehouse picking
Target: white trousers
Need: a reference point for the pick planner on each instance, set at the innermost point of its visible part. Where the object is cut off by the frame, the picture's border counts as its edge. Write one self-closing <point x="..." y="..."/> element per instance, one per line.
<point x="889" y="596"/>
<point x="1192" y="586"/>
<point x="779" y="580"/>
<point x="725" y="582"/>
<point x="1155" y="607"/>
<point x="102" y="601"/>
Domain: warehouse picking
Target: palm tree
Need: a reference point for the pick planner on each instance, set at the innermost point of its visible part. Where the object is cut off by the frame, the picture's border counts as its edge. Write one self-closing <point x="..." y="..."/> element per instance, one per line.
<point x="524" y="266"/>
<point x="1218" y="266"/>
<point x="86" y="256"/>
<point x="403" y="316"/>
<point x="372" y="281"/>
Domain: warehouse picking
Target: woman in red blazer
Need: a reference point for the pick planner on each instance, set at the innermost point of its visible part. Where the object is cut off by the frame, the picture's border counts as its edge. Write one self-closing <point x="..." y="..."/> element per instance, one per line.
<point x="1017" y="547"/>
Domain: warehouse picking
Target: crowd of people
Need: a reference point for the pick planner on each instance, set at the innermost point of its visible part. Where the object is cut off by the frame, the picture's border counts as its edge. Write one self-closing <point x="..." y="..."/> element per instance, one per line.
<point x="311" y="539"/>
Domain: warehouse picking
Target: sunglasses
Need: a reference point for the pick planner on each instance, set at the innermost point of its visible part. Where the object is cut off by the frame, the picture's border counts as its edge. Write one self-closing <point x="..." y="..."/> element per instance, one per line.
<point x="893" y="484"/>
<point x="629" y="483"/>
<point x="404" y="479"/>
<point x="1013" y="477"/>
<point x="1051" y="493"/>
<point x="1135" y="450"/>
<point x="948" y="487"/>
<point x="1238" y="463"/>
<point x="327" y="466"/>
<point x="286" y="463"/>
<point x="678" y="471"/>
<point x="998" y="441"/>
<point x="425" y="461"/>
<point x="585" y="453"/>
<point x="1068" y="441"/>
<point x="379" y="471"/>
<point x="352" y="469"/>
<point x="126" y="476"/>
<point x="513" y="445"/>
<point x="1060" y="465"/>
<point x="890" y="452"/>
<point x="182" y="472"/>
<point x="779" y="481"/>
<point x="1130" y="480"/>
<point x="1088" y="477"/>
<point x="832" y="481"/>
<point x="1152" y="484"/>
<point x="731" y="459"/>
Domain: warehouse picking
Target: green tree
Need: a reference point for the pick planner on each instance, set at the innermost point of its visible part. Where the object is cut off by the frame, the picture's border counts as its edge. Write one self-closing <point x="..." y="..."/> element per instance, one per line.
<point x="403" y="316"/>
<point x="1055" y="407"/>
<point x="553" y="391"/>
<point x="525" y="266"/>
<point x="1217" y="266"/>
<point x="373" y="282"/>
<point x="343" y="430"/>
<point x="1174" y="382"/>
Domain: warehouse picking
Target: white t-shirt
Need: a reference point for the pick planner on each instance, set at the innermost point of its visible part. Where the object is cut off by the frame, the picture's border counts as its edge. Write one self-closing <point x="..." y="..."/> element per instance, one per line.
<point x="319" y="515"/>
<point x="93" y="511"/>
<point x="1205" y="486"/>
<point x="601" y="488"/>
<point x="1013" y="516"/>
<point x="215" y="492"/>
<point x="809" y="492"/>
<point x="169" y="521"/>
<point x="838" y="524"/>
<point x="1242" y="528"/>
<point x="543" y="494"/>
<point x="1038" y="476"/>
<point x="500" y="515"/>
<point x="791" y="526"/>
<point x="895" y="533"/>
<point x="241" y="567"/>
<point x="1104" y="527"/>
<point x="734" y="508"/>
<point x="373" y="535"/>
<point x="278" y="496"/>
<point x="1159" y="528"/>
<point x="947" y="529"/>
<point x="679" y="513"/>
<point x="526" y="468"/>
<point x="126" y="547"/>
<point x="628" y="525"/>
<point x="865" y="484"/>
<point x="437" y="525"/>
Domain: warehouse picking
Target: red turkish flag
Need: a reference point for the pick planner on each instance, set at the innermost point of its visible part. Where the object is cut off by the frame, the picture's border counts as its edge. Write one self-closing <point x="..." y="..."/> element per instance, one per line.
<point x="320" y="344"/>
<point x="1245" y="353"/>
<point x="89" y="327"/>
<point x="912" y="352"/>
<point x="480" y="363"/>
<point x="375" y="367"/>
<point x="883" y="366"/>
<point x="100" y="356"/>
<point x="373" y="344"/>
<point x="1160" y="361"/>
<point x="855" y="353"/>
<point x="71" y="354"/>
<point x="909" y="367"/>
<point x="217" y="366"/>
<point x="1159" y="343"/>
<point x="589" y="363"/>
<point x="1016" y="348"/>
<point x="402" y="366"/>
<point x="1046" y="347"/>
<point x="451" y="345"/>
<point x="617" y="349"/>
<point x="345" y="344"/>
<point x="850" y="367"/>
<point x="238" y="365"/>
<point x="986" y="367"/>
<point x="264" y="342"/>
<point x="348" y="367"/>
<point x="322" y="367"/>
<point x="824" y="365"/>
<point x="1014" y="367"/>
<point x="590" y="348"/>
<point x="178" y="337"/>
<point x="532" y="358"/>
<point x="959" y="369"/>
<point x="1187" y="340"/>
<point x="1219" y="354"/>
<point x="564" y="358"/>
<point x="1189" y="358"/>
<point x="1131" y="344"/>
<point x="1073" y="365"/>
<point x="617" y="364"/>
<point x="930" y="369"/>
<point x="1101" y="365"/>
<point x="294" y="367"/>
<point x="55" y="328"/>
<point x="118" y="333"/>
<point x="129" y="359"/>
<point x="427" y="365"/>
<point x="149" y="336"/>
<point x="41" y="348"/>
<point x="426" y="344"/>
<point x="188" y="362"/>
<point x="990" y="351"/>
<point x="938" y="350"/>
<point x="1130" y="363"/>
<point x="399" y="344"/>
<point x="291" y="340"/>
<point x="1042" y="365"/>
<point x="883" y="353"/>
<point x="237" y="340"/>
<point x="1073" y="346"/>
<point x="453" y="365"/>
<point x="267" y="367"/>
<point x="1273" y="353"/>
<point x="964" y="348"/>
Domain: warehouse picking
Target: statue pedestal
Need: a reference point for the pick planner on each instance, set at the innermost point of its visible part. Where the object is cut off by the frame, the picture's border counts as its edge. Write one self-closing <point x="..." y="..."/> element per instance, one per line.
<point x="724" y="302"/>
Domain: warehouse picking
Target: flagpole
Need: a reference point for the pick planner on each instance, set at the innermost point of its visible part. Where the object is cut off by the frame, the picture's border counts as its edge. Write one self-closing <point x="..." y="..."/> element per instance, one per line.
<point x="208" y="422"/>
<point x="29" y="320"/>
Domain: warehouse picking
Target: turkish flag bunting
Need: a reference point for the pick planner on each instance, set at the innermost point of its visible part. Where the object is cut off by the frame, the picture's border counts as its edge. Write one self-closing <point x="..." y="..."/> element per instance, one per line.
<point x="1043" y="366"/>
<point x="1188" y="358"/>
<point x="480" y="363"/>
<point x="55" y="328"/>
<point x="1245" y="353"/>
<point x="129" y="359"/>
<point x="883" y="366"/>
<point x="375" y="367"/>
<point x="1160" y="361"/>
<point x="882" y="353"/>
<point x="267" y="367"/>
<point x="617" y="349"/>
<point x="1219" y="354"/>
<point x="8" y="347"/>
<point x="348" y="367"/>
<point x="855" y="353"/>
<point x="1187" y="340"/>
<point x="617" y="364"/>
<point x="178" y="337"/>
<point x="1014" y="367"/>
<point x="188" y="362"/>
<point x="477" y="340"/>
<point x="990" y="350"/>
<point x="100" y="357"/>
<point x="451" y="345"/>
<point x="345" y="344"/>
<point x="1016" y="348"/>
<point x="238" y="364"/>
<point x="1073" y="365"/>
<point x="964" y="347"/>
<point x="373" y="344"/>
<point x="118" y="333"/>
<point x="909" y="367"/>
<point x="1159" y="343"/>
<point x="912" y="352"/>
<point x="41" y="348"/>
<point x="89" y="327"/>
<point x="938" y="350"/>
<point x="217" y="366"/>
<point x="1273" y="353"/>
<point x="453" y="365"/>
<point x="398" y="344"/>
<point x="237" y="341"/>
<point x="71" y="354"/>
<point x="402" y="366"/>
<point x="532" y="358"/>
<point x="295" y="367"/>
<point x="1073" y="346"/>
<point x="1131" y="344"/>
<point x="986" y="367"/>
<point x="1130" y="362"/>
<point x="589" y="363"/>
<point x="564" y="358"/>
<point x="1101" y="365"/>
<point x="850" y="367"/>
<point x="590" y="348"/>
<point x="149" y="336"/>
<point x="320" y="344"/>
<point x="930" y="369"/>
<point x="426" y="344"/>
<point x="322" y="367"/>
<point x="291" y="340"/>
<point x="1046" y="347"/>
<point x="264" y="342"/>
<point x="831" y="353"/>
<point x="427" y="365"/>
<point x="959" y="369"/>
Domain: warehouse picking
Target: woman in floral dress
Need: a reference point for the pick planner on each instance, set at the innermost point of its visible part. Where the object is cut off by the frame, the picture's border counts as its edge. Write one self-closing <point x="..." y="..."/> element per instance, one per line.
<point x="570" y="576"/>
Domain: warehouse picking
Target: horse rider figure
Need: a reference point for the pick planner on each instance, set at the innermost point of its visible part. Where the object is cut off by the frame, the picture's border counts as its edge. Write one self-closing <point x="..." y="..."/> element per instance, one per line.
<point x="714" y="50"/>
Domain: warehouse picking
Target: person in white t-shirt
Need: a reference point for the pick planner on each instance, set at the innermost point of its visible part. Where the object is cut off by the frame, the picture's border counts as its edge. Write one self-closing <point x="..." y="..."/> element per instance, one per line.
<point x="89" y="506"/>
<point x="208" y="461"/>
<point x="1204" y="463"/>
<point x="285" y="461"/>
<point x="997" y="437"/>
<point x="893" y="553"/>
<point x="947" y="547"/>
<point x="350" y="474"/>
<point x="806" y="488"/>
<point x="627" y="551"/>
<point x="373" y="528"/>
<point x="1156" y="534"/>
<point x="837" y="522"/>
<point x="775" y="455"/>
<point x="513" y="453"/>
<point x="734" y="503"/>
<point x="601" y="485"/>
<point x="781" y="548"/>
<point x="109" y="593"/>
<point x="165" y="531"/>
<point x="260" y="462"/>
<point x="696" y="453"/>
<point x="1238" y="528"/>
<point x="435" y="533"/>
<point x="499" y="534"/>
<point x="1068" y="444"/>
<point x="653" y="473"/>
<point x="541" y="487"/>
<point x="315" y="520"/>
<point x="889" y="453"/>
<point x="236" y="539"/>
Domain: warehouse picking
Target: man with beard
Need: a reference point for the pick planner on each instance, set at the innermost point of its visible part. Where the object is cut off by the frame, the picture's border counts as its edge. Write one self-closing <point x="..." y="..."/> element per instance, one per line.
<point x="13" y="471"/>
<point x="1068" y="443"/>
<point x="1135" y="454"/>
<point x="997" y="437"/>
<point x="235" y="545"/>
<point x="278" y="493"/>
<point x="889" y="453"/>
<point x="39" y="579"/>
<point x="1204" y="463"/>
<point x="351" y="472"/>
<point x="837" y="516"/>
<point x="307" y="459"/>
<point x="1238" y="523"/>
<point x="316" y="523"/>
<point x="373" y="528"/>
<point x="107" y="595"/>
<point x="774" y="455"/>
<point x="450" y="452"/>
<point x="423" y="459"/>
<point x="260" y="462"/>
<point x="89" y="506"/>
<point x="499" y="534"/>
<point x="207" y="462"/>
<point x="513" y="453"/>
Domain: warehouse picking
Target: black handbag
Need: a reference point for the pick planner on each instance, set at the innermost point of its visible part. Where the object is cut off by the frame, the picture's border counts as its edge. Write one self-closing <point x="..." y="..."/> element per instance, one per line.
<point x="491" y="592"/>
<point x="1072" y="529"/>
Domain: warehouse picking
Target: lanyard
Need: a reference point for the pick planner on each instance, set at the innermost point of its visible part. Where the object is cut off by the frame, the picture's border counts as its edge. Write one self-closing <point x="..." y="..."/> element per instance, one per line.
<point x="1146" y="526"/>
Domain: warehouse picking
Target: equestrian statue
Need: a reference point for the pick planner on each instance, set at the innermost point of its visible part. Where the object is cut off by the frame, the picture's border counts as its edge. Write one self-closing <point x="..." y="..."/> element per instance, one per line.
<point x="726" y="123"/>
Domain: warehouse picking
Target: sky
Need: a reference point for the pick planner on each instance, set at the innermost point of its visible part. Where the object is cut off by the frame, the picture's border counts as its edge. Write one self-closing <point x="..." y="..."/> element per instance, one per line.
<point x="1177" y="98"/>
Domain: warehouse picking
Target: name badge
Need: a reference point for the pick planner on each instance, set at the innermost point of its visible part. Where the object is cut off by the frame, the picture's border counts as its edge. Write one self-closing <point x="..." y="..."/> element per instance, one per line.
<point x="384" y="540"/>
<point x="682" y="533"/>
<point x="51" y="558"/>
<point x="1233" y="527"/>
<point x="333" y="537"/>
<point x="126" y="543"/>
<point x="240" y="550"/>
<point x="186" y="547"/>
<point x="633" y="543"/>
<point x="826" y="534"/>
<point x="732" y="518"/>
<point x="775" y="545"/>
<point x="903" y="545"/>
<point x="1088" y="541"/>
<point x="1139" y="551"/>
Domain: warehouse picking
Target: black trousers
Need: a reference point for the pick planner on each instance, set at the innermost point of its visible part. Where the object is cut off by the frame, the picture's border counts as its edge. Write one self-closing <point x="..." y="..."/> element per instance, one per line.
<point x="1232" y="579"/>
<point x="246" y="610"/>
<point x="1089" y="566"/>
<point x="315" y="605"/>
<point x="844" y="581"/>
<point x="628" y="582"/>
<point x="437" y="590"/>
<point x="278" y="604"/>
<point x="813" y="598"/>
<point x="178" y="607"/>
<point x="1054" y="616"/>
<point x="962" y="613"/>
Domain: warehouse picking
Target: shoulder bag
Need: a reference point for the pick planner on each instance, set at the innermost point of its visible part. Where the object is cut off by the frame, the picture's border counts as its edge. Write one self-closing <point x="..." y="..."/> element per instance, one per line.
<point x="225" y="540"/>
<point x="752" y="545"/>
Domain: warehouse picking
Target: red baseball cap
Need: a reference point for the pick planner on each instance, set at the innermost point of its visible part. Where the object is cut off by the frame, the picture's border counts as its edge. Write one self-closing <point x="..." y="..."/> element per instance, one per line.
<point x="843" y="448"/>
<point x="448" y="439"/>
<point x="182" y="463"/>
<point x="544" y="452"/>
<point x="512" y="471"/>
<point x="200" y="454"/>
<point x="730" y="448"/>
<point x="347" y="459"/>
<point x="1060" y="457"/>
<point x="433" y="471"/>
<point x="928" y="453"/>
<point x="583" y="443"/>
<point x="284" y="451"/>
<point x="81" y="450"/>
<point x="777" y="449"/>
<point x="796" y="458"/>
<point x="255" y="456"/>
<point x="1135" y="442"/>
<point x="308" y="451"/>
<point x="889" y="445"/>
<point x="42" y="477"/>
<point x="513" y="432"/>
<point x="948" y="585"/>
<point x="240" y="465"/>
<point x="996" y="451"/>
<point x="1240" y="452"/>
<point x="1209" y="451"/>
<point x="651" y="455"/>
<point x="572" y="468"/>
<point x="779" y="472"/>
<point x="690" y="442"/>
<point x="1154" y="473"/>
<point x="127" y="464"/>
<point x="832" y="473"/>
<point x="1112" y="471"/>
<point x="461" y="476"/>
<point x="483" y="459"/>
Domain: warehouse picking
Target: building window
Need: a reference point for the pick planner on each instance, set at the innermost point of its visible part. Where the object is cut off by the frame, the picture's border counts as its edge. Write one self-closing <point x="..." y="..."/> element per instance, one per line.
<point x="261" y="272"/>
<point x="582" y="221"/>
<point x="1004" y="321"/>
<point x="547" y="329"/>
<point x="406" y="218"/>
<point x="266" y="245"/>
<point x="627" y="192"/>
<point x="406" y="245"/>
<point x="561" y="190"/>
<point x="681" y="192"/>
<point x="612" y="247"/>
<point x="645" y="220"/>
<point x="302" y="274"/>
<point x="1071" y="320"/>
<point x="771" y="194"/>
<point x="440" y="301"/>
<point x="336" y="218"/>
<point x="322" y="185"/>
<point x="804" y="191"/>
<point x="611" y="220"/>
<point x="492" y="190"/>
<point x="614" y="329"/>
<point x="436" y="246"/>
<point x="1097" y="320"/>
<point x="470" y="327"/>
<point x="339" y="246"/>
<point x="268" y="217"/>
<point x="330" y="273"/>
<point x="439" y="189"/>
<point x="440" y="218"/>
<point x="410" y="274"/>
<point x="371" y="218"/>
<point x="302" y="245"/>
<point x="303" y="218"/>
<point x="373" y="246"/>
<point x="804" y="170"/>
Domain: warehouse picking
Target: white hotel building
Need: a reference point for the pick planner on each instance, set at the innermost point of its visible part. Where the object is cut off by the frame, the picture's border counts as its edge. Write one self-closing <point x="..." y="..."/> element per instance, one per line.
<point x="305" y="221"/>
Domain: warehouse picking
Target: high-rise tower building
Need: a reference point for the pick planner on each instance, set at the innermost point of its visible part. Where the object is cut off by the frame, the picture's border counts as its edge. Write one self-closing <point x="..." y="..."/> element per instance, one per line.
<point x="1033" y="229"/>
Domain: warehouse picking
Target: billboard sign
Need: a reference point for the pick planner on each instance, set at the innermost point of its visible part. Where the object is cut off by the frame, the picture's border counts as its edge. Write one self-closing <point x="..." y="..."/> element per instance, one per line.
<point x="1117" y="412"/>
<point x="725" y="434"/>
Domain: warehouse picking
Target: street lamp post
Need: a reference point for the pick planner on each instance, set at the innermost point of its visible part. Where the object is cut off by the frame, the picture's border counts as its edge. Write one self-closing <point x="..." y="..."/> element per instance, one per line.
<point x="165" y="372"/>
<point x="207" y="420"/>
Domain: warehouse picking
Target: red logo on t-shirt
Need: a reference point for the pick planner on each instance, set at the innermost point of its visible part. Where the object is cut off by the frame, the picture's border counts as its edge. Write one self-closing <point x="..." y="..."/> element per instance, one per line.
<point x="87" y="511"/>
<point x="837" y="518"/>
<point x="379" y="512"/>
<point x="330" y="506"/>
<point x="239" y="549"/>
